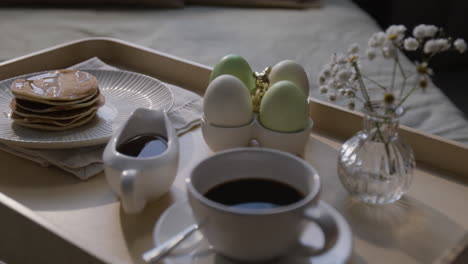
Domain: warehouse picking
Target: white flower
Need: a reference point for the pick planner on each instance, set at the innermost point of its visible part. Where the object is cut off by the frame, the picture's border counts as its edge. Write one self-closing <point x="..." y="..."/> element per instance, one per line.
<point x="332" y="97"/>
<point x="388" y="51"/>
<point x="377" y="39"/>
<point x="396" y="32"/>
<point x="436" y="45"/>
<point x="423" y="68"/>
<point x="396" y="29"/>
<point x="332" y="84"/>
<point x="322" y="79"/>
<point x="325" y="72"/>
<point x="323" y="89"/>
<point x="350" y="93"/>
<point x="353" y="75"/>
<point x="371" y="54"/>
<point x="425" y="31"/>
<point x="337" y="67"/>
<point x="372" y="42"/>
<point x="431" y="46"/>
<point x="460" y="45"/>
<point x="430" y="31"/>
<point x="353" y="48"/>
<point x="341" y="59"/>
<point x="411" y="44"/>
<point x="419" y="31"/>
<point x="343" y="75"/>
<point x="443" y="44"/>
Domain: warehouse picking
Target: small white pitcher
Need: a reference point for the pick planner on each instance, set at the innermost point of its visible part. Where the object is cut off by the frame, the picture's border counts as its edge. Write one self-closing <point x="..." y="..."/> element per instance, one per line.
<point x="138" y="180"/>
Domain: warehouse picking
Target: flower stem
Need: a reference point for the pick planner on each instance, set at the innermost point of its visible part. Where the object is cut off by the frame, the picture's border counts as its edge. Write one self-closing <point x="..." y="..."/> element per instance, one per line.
<point x="403" y="87"/>
<point x="363" y="87"/>
<point x="405" y="78"/>
<point x="360" y="100"/>
<point x="400" y="67"/>
<point x="369" y="103"/>
<point x="394" y="72"/>
<point x="379" y="132"/>
<point x="374" y="82"/>
<point x="407" y="95"/>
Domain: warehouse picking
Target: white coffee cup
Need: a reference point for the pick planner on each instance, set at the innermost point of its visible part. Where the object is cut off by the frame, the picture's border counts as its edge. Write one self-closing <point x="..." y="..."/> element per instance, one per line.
<point x="138" y="180"/>
<point x="254" y="235"/>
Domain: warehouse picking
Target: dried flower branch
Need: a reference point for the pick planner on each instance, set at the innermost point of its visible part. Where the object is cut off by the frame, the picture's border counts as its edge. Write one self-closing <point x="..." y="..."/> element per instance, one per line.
<point x="342" y="77"/>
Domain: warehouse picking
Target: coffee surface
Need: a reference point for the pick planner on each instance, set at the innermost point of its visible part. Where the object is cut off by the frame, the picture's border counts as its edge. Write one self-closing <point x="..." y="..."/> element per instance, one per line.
<point x="254" y="193"/>
<point x="143" y="146"/>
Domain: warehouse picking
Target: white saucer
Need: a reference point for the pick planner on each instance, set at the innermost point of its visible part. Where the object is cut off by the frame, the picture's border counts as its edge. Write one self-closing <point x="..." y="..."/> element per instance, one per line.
<point x="196" y="250"/>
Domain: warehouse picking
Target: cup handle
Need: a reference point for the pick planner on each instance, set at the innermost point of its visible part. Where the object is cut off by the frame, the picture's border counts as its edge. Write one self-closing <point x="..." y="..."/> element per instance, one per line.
<point x="132" y="203"/>
<point x="329" y="228"/>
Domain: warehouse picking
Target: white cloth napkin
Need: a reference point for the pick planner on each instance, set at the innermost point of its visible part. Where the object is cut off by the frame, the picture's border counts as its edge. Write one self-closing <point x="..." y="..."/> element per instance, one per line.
<point x="87" y="161"/>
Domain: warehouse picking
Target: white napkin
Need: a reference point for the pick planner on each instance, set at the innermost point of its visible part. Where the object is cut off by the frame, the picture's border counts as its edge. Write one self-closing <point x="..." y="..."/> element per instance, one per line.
<point x="87" y="161"/>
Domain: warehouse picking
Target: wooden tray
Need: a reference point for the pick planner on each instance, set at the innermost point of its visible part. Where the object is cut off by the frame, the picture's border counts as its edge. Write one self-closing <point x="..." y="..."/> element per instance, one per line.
<point x="48" y="216"/>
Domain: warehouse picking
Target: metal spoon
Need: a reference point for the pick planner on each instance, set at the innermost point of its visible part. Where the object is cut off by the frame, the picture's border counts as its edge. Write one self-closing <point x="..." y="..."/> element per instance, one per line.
<point x="157" y="253"/>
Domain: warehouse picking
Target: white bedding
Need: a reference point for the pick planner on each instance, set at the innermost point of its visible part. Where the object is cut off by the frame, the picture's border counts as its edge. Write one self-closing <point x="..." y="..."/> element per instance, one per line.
<point x="205" y="34"/>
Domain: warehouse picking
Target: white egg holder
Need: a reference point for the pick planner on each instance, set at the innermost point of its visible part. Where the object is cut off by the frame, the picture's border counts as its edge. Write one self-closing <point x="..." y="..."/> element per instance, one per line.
<point x="220" y="138"/>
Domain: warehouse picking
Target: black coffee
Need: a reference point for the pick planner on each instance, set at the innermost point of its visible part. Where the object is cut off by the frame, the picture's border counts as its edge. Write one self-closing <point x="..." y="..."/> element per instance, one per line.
<point x="254" y="193"/>
<point x="143" y="146"/>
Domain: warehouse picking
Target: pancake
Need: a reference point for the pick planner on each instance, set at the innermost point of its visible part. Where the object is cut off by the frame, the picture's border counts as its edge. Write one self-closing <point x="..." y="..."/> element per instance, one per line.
<point x="57" y="115"/>
<point x="61" y="85"/>
<point x="45" y="121"/>
<point x="51" y="127"/>
<point x="57" y="102"/>
<point x="39" y="108"/>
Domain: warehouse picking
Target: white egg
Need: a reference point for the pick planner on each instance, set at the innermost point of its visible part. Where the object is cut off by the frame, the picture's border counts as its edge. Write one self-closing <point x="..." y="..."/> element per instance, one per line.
<point x="227" y="102"/>
<point x="289" y="70"/>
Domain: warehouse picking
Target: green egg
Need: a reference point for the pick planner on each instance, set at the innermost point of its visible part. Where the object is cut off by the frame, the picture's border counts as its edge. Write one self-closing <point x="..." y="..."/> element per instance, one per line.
<point x="236" y="66"/>
<point x="284" y="108"/>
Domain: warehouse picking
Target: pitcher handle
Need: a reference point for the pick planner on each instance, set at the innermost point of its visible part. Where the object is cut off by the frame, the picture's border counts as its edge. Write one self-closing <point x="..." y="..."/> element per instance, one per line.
<point x="132" y="201"/>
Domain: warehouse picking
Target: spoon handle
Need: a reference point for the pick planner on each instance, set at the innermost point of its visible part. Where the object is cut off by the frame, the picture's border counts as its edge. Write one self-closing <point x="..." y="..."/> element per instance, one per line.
<point x="157" y="253"/>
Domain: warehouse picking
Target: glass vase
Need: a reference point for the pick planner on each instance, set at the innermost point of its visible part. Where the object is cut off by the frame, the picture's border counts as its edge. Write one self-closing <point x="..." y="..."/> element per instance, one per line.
<point x="376" y="166"/>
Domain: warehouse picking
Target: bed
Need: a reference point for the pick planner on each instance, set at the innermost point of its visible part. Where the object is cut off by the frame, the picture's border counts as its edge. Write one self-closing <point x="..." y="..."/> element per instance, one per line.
<point x="204" y="34"/>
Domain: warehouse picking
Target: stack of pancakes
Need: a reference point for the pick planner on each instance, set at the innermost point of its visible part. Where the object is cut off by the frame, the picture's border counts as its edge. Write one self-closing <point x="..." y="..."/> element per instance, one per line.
<point x="56" y="100"/>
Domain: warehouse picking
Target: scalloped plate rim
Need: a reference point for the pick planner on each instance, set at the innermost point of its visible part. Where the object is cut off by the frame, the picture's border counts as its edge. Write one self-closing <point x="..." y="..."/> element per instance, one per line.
<point x="54" y="144"/>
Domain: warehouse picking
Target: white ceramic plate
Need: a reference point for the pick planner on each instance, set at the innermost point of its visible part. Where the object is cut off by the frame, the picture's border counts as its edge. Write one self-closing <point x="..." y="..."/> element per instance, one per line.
<point x="196" y="250"/>
<point x="124" y="92"/>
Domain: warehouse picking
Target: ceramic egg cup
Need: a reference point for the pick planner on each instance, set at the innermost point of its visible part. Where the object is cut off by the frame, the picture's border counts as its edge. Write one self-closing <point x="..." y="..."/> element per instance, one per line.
<point x="220" y="138"/>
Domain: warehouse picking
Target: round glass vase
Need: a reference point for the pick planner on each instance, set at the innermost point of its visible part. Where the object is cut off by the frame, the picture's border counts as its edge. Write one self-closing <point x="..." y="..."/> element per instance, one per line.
<point x="375" y="166"/>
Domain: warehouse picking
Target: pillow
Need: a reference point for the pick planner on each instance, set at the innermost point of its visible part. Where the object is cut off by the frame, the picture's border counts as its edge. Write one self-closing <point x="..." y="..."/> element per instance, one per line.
<point x="258" y="3"/>
<point x="149" y="3"/>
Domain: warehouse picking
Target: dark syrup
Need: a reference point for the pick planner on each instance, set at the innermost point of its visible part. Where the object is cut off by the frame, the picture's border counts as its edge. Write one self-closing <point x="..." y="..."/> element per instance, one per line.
<point x="254" y="193"/>
<point x="143" y="146"/>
